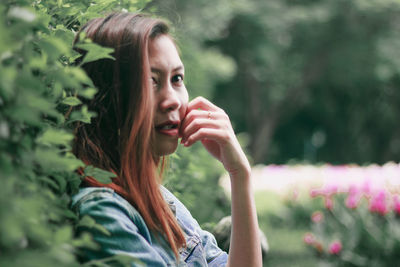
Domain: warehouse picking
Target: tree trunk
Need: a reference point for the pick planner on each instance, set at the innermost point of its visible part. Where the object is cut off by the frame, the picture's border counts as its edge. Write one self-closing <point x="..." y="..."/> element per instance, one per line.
<point x="262" y="138"/>
<point x="265" y="123"/>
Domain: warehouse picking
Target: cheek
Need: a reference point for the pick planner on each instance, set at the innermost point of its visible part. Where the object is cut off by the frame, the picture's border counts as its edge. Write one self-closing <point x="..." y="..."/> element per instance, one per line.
<point x="184" y="100"/>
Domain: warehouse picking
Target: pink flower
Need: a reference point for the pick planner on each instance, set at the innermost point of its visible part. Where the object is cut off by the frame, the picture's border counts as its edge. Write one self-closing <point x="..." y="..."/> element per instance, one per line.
<point x="352" y="201"/>
<point x="378" y="203"/>
<point x="353" y="190"/>
<point x="328" y="203"/>
<point x="366" y="188"/>
<point x="309" y="238"/>
<point x="396" y="204"/>
<point x="354" y="196"/>
<point x="326" y="191"/>
<point x="317" y="217"/>
<point x="335" y="247"/>
<point x="331" y="189"/>
<point x="315" y="192"/>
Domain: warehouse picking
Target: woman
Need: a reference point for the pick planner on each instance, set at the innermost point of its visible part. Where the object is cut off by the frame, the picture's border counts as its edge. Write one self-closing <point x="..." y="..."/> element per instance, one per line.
<point x="142" y="110"/>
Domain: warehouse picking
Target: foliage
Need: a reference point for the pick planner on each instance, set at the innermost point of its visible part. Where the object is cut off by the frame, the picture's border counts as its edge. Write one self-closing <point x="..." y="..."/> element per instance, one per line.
<point x="294" y="213"/>
<point x="38" y="85"/>
<point x="305" y="71"/>
<point x="285" y="240"/>
<point x="359" y="227"/>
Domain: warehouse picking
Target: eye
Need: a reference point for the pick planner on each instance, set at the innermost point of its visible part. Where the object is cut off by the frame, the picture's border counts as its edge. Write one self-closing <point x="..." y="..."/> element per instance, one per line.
<point x="177" y="79"/>
<point x="154" y="82"/>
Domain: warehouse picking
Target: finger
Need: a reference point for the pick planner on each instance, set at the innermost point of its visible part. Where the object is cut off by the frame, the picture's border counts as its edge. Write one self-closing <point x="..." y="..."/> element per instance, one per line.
<point x="216" y="135"/>
<point x="196" y="124"/>
<point x="202" y="114"/>
<point x="203" y="104"/>
<point x="192" y="115"/>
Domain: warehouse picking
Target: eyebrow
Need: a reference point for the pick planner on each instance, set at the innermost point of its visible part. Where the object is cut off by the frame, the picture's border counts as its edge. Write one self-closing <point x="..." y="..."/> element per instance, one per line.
<point x="179" y="68"/>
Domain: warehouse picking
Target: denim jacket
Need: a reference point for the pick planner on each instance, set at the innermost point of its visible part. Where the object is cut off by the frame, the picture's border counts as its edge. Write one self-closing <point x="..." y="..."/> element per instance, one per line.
<point x="130" y="235"/>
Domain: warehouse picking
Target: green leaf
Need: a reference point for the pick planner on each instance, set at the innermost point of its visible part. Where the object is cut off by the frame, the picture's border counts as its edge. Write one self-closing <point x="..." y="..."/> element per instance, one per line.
<point x="95" y="52"/>
<point x="54" y="136"/>
<point x="79" y="75"/>
<point x="86" y="221"/>
<point x="85" y="241"/>
<point x="74" y="182"/>
<point x="67" y="77"/>
<point x="63" y="235"/>
<point x="138" y="4"/>
<point x="68" y="214"/>
<point x="63" y="33"/>
<point x="100" y="175"/>
<point x="71" y="101"/>
<point x="38" y="62"/>
<point x="31" y="105"/>
<point x="7" y="81"/>
<point x="82" y="115"/>
<point x="21" y="13"/>
<point x="51" y="160"/>
<point x="100" y="6"/>
<point x="88" y="93"/>
<point x="50" y="182"/>
<point x="53" y="47"/>
<point x="61" y="181"/>
<point x="90" y="223"/>
<point x="23" y="114"/>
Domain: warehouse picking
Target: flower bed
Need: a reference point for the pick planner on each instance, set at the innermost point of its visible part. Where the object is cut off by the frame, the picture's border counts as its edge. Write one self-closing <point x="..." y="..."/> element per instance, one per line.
<point x="357" y="227"/>
<point x="353" y="211"/>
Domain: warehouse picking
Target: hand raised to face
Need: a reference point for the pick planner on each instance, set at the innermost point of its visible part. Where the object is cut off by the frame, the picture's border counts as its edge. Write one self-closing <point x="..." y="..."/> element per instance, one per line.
<point x="210" y="124"/>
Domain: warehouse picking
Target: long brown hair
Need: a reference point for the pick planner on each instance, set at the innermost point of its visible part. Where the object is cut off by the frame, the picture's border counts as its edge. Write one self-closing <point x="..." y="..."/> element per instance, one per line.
<point x="119" y="138"/>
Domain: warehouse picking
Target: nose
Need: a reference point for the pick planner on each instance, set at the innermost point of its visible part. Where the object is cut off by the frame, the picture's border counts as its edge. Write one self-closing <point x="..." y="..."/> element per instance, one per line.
<point x="169" y="99"/>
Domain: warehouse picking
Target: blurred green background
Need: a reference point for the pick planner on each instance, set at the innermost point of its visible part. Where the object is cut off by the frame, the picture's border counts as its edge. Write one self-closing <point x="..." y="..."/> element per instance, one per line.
<point x="312" y="81"/>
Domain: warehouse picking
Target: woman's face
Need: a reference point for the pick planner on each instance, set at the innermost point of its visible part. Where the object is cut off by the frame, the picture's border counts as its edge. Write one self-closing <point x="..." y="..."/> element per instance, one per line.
<point x="171" y="97"/>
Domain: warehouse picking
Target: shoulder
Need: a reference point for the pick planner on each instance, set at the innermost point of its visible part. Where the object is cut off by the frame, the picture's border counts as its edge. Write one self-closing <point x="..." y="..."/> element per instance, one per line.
<point x="104" y="204"/>
<point x="87" y="193"/>
<point x="125" y="230"/>
<point x="98" y="195"/>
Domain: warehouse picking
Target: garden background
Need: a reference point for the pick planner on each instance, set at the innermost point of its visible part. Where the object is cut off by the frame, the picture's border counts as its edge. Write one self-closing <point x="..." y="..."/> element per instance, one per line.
<point x="312" y="89"/>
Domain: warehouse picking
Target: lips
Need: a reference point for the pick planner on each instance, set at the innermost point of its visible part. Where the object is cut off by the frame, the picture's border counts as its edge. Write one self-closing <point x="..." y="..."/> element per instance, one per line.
<point x="169" y="128"/>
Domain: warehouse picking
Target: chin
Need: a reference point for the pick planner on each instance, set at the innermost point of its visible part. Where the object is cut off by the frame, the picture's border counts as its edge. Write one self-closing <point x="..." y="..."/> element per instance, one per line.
<point x="167" y="148"/>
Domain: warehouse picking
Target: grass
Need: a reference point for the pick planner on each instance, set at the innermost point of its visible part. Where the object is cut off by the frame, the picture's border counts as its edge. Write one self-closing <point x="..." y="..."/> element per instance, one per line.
<point x="284" y="238"/>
